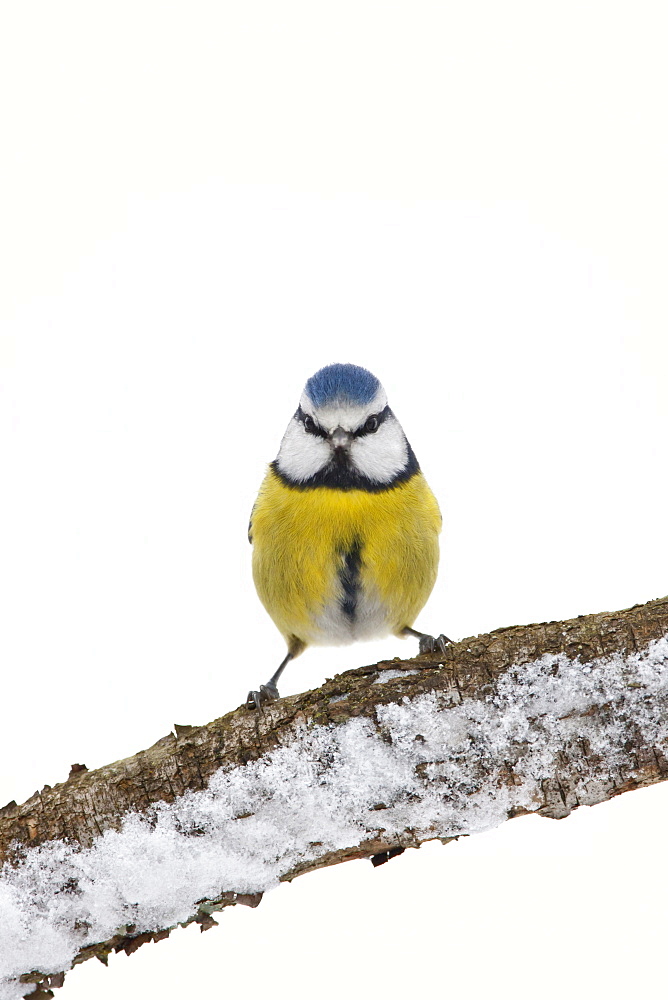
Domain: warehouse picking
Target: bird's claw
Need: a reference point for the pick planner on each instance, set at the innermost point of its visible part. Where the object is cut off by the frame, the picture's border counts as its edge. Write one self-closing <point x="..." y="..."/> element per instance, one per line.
<point x="258" y="699"/>
<point x="433" y="644"/>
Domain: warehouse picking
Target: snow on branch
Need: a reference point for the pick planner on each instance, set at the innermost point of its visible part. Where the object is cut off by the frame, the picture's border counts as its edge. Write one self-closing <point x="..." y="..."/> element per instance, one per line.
<point x="530" y="719"/>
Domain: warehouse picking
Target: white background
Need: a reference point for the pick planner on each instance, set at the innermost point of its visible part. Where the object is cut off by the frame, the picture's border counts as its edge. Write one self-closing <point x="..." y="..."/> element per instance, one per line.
<point x="202" y="203"/>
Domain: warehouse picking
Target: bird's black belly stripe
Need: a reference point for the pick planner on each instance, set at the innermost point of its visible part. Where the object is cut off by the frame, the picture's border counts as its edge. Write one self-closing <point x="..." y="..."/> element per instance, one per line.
<point x="349" y="575"/>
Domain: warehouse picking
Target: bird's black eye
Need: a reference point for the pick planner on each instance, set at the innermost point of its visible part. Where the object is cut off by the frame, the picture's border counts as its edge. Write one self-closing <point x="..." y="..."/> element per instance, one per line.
<point x="309" y="424"/>
<point x="371" y="425"/>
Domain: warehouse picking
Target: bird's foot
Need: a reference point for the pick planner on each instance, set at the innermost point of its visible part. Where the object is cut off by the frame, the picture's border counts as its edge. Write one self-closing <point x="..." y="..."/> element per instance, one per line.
<point x="258" y="699"/>
<point x="433" y="644"/>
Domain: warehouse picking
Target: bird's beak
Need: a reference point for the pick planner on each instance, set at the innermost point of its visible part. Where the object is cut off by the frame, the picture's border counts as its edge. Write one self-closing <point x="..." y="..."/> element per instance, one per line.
<point x="340" y="439"/>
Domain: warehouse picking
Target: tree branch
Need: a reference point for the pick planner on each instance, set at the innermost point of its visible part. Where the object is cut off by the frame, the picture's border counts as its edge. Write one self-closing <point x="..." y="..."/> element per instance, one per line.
<point x="537" y="718"/>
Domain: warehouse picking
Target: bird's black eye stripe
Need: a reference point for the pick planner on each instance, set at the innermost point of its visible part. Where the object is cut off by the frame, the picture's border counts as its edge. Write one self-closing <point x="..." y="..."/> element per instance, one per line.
<point x="373" y="422"/>
<point x="370" y="427"/>
<point x="309" y="423"/>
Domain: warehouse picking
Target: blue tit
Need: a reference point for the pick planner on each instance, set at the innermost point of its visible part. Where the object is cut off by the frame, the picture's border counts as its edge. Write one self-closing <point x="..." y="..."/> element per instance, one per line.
<point x="345" y="528"/>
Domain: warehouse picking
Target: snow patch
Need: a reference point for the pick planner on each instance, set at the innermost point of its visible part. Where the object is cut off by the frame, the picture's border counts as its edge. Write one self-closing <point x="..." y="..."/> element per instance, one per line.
<point x="389" y="675"/>
<point x="318" y="793"/>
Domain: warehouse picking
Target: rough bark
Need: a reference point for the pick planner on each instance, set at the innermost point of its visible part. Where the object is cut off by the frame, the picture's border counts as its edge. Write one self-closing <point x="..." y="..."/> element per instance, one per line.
<point x="90" y="802"/>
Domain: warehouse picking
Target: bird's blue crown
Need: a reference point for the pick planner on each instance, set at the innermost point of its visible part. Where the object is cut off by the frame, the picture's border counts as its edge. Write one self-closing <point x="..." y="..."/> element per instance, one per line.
<point x="342" y="382"/>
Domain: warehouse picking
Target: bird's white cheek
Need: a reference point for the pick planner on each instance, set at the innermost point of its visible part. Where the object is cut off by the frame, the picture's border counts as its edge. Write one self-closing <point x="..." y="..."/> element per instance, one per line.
<point x="301" y="455"/>
<point x="383" y="455"/>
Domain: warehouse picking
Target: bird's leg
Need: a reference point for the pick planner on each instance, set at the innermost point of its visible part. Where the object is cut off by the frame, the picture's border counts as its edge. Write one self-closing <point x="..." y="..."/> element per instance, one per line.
<point x="428" y="643"/>
<point x="268" y="691"/>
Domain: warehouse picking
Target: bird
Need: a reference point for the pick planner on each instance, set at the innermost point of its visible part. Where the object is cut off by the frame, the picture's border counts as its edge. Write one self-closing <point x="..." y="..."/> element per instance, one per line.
<point x="345" y="528"/>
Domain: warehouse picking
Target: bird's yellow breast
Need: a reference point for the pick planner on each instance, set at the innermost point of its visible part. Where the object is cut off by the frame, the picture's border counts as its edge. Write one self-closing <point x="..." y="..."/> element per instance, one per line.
<point x="302" y="545"/>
